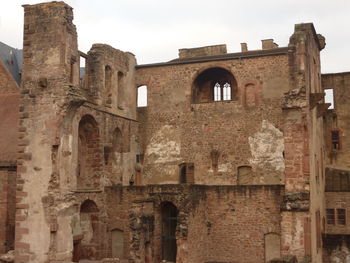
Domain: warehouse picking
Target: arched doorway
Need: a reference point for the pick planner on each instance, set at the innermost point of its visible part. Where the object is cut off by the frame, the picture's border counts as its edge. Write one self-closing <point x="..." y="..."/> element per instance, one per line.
<point x="169" y="221"/>
<point x="87" y="246"/>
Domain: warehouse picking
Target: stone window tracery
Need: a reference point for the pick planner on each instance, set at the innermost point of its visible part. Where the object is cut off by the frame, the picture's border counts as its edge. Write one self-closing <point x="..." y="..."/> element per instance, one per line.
<point x="214" y="84"/>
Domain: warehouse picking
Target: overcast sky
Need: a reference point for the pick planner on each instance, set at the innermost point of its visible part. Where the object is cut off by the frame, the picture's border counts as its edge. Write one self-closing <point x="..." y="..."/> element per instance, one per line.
<point x="154" y="30"/>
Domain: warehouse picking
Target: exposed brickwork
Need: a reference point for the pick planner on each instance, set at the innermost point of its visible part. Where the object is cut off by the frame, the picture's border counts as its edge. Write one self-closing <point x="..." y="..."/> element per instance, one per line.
<point x="7" y="208"/>
<point x="193" y="128"/>
<point x="337" y="120"/>
<point x="225" y="164"/>
<point x="218" y="229"/>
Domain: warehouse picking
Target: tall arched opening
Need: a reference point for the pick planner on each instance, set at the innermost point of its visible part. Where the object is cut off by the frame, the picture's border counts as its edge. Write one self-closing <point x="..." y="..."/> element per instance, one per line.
<point x="89" y="160"/>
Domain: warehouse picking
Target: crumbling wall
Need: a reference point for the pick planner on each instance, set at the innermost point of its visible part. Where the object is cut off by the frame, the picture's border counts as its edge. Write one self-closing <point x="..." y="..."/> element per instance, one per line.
<point x="53" y="103"/>
<point x="305" y="144"/>
<point x="196" y="130"/>
<point x="110" y="74"/>
<point x="337" y="120"/>
<point x="49" y="59"/>
<point x="205" y="231"/>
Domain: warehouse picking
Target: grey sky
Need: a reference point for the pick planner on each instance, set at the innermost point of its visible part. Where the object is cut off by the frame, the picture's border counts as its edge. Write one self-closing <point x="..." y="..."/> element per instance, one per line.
<point x="154" y="30"/>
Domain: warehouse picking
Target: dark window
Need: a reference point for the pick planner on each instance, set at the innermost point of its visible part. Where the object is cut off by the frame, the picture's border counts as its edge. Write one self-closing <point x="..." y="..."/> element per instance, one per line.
<point x="335" y="140"/>
<point x="341" y="216"/>
<point x="330" y="216"/>
<point x="108" y="78"/>
<point x="186" y="173"/>
<point x="121" y="86"/>
<point x="139" y="158"/>
<point x="183" y="175"/>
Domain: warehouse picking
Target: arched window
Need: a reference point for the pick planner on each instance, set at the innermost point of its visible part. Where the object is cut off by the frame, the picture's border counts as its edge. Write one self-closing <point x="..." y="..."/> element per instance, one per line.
<point x="88" y="153"/>
<point x="214" y="84"/>
<point x="169" y="221"/>
<point x="142" y="96"/>
<point x="226" y="91"/>
<point x="217" y="92"/>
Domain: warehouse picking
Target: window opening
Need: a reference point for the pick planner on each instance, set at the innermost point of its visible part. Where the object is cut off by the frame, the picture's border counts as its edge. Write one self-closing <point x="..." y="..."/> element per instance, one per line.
<point x="214" y="84"/>
<point x="121" y="90"/>
<point x="227" y="91"/>
<point x="72" y="65"/>
<point x="222" y="92"/>
<point x="217" y="92"/>
<point x="341" y="216"/>
<point x="186" y="173"/>
<point x="183" y="174"/>
<point x="82" y="67"/>
<point x="139" y="158"/>
<point x="335" y="140"/>
<point x="330" y="216"/>
<point x="329" y="98"/>
<point x="142" y="96"/>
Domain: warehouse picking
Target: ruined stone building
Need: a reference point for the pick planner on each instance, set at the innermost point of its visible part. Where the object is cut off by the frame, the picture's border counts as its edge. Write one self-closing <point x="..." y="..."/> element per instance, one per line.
<point x="235" y="159"/>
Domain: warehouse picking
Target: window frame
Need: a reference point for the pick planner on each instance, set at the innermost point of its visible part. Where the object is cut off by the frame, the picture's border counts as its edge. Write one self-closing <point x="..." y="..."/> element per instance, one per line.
<point x="330" y="216"/>
<point x="333" y="141"/>
<point x="341" y="217"/>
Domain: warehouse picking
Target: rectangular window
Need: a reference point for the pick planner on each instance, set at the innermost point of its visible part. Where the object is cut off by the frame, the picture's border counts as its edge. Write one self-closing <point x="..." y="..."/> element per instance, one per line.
<point x="139" y="158"/>
<point x="341" y="216"/>
<point x="335" y="140"/>
<point x="330" y="216"/>
<point x="329" y="98"/>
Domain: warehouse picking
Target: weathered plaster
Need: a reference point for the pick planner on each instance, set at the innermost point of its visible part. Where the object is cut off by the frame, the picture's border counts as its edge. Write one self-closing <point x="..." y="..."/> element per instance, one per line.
<point x="267" y="147"/>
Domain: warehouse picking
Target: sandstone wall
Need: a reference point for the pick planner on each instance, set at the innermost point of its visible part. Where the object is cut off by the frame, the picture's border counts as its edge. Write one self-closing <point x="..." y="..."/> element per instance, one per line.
<point x="337" y="120"/>
<point x="234" y="231"/>
<point x="175" y="130"/>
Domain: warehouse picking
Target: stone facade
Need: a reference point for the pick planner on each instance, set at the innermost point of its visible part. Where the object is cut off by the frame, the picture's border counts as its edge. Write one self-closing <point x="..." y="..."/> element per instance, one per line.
<point x="337" y="169"/>
<point x="227" y="163"/>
